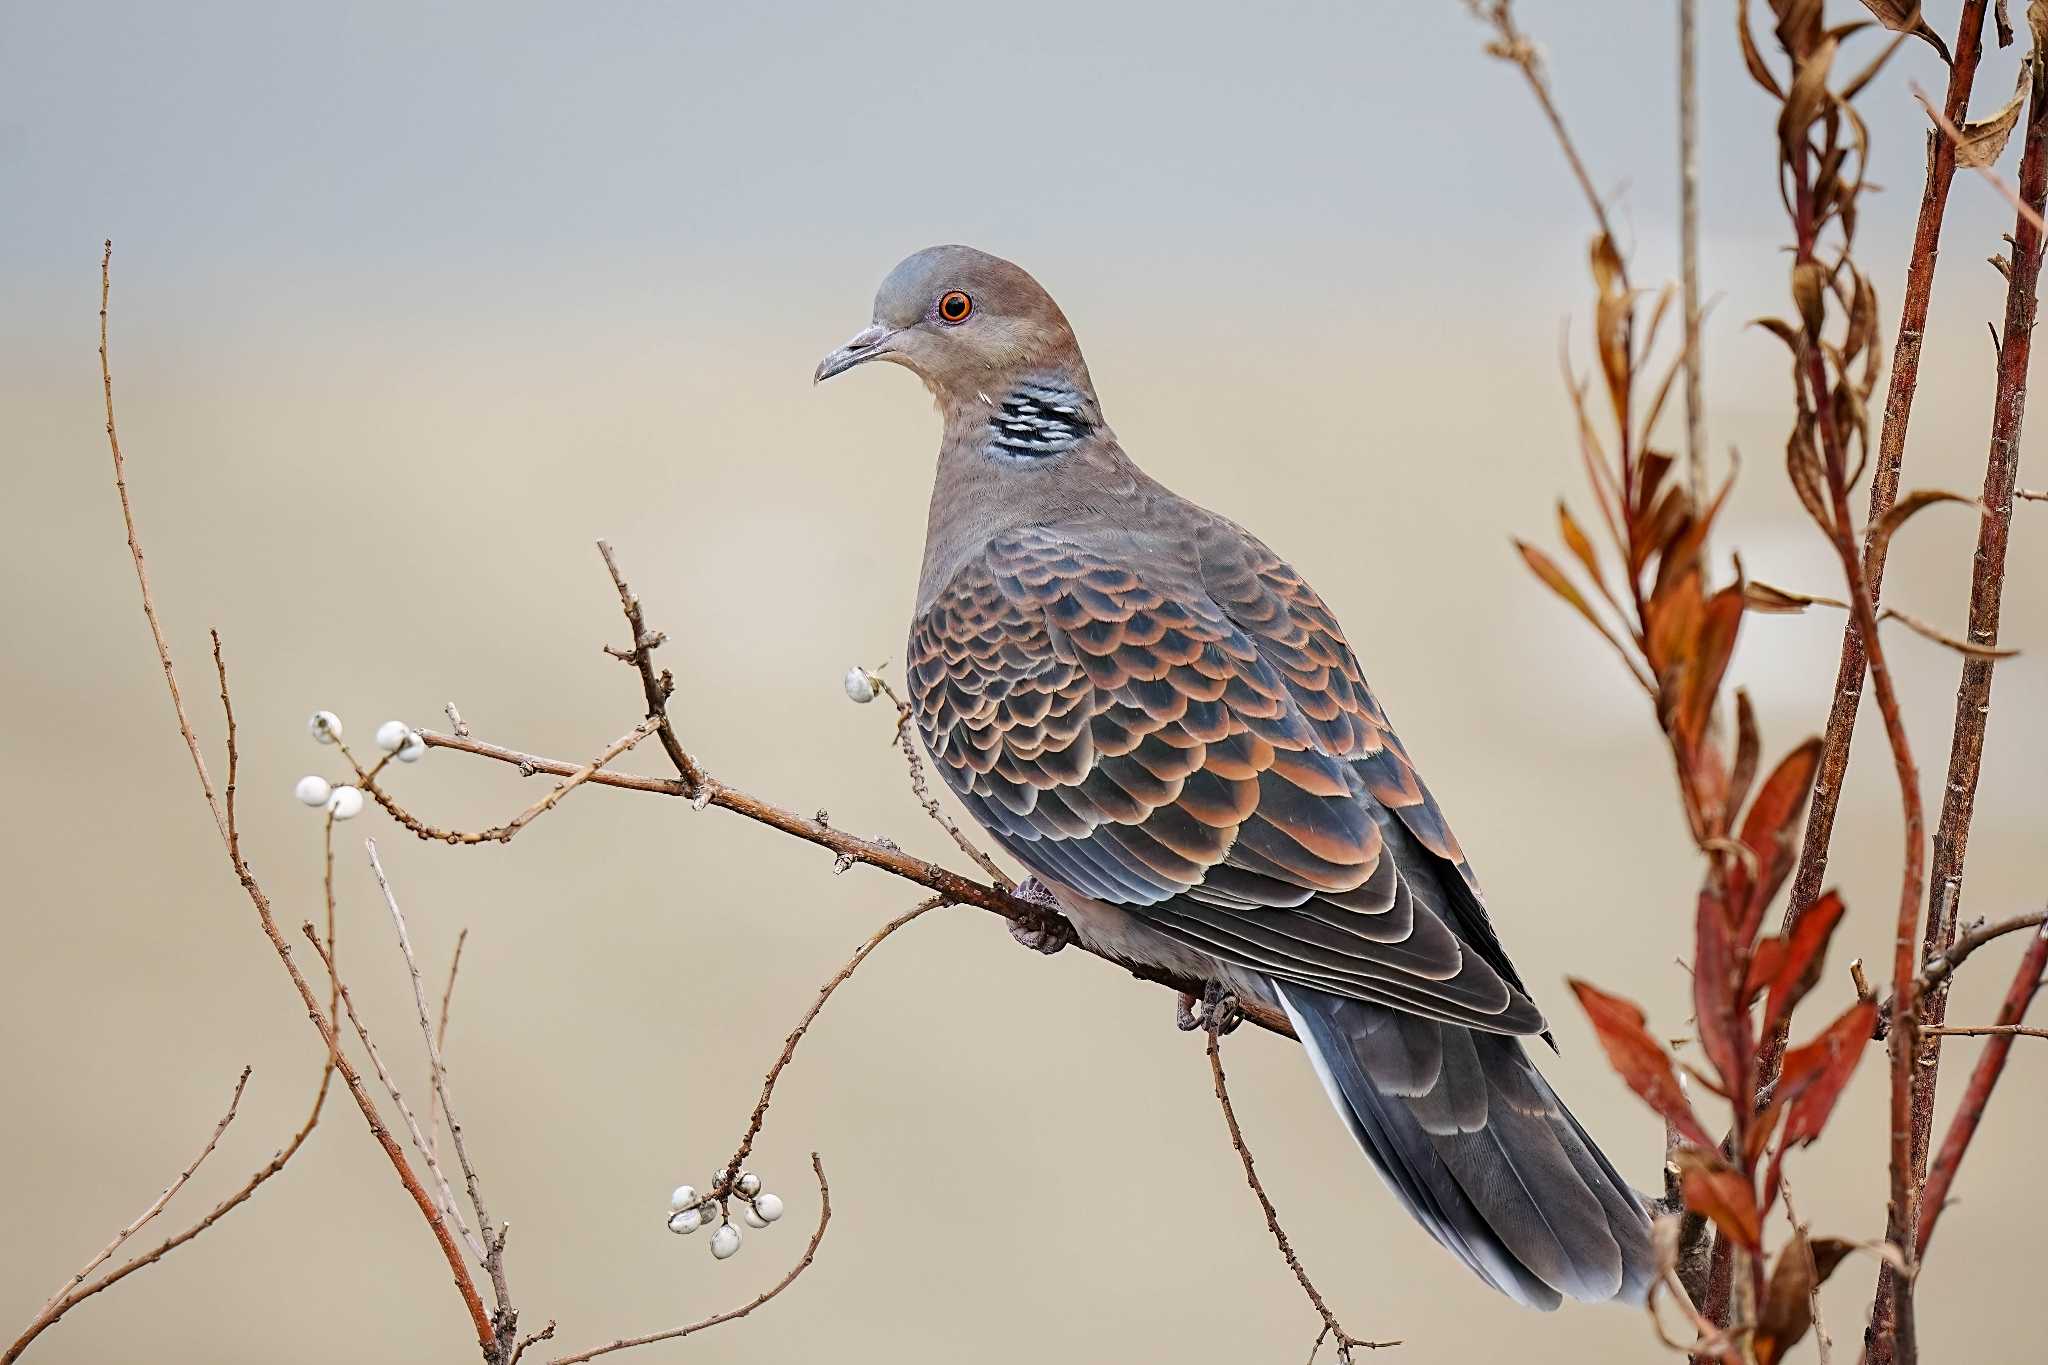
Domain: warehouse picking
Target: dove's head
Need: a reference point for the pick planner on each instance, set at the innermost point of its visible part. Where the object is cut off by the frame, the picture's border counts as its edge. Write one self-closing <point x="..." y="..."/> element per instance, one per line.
<point x="966" y="323"/>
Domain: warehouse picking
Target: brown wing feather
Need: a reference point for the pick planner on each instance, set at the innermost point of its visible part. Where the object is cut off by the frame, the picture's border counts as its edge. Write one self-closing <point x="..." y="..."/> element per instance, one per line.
<point x="1188" y="737"/>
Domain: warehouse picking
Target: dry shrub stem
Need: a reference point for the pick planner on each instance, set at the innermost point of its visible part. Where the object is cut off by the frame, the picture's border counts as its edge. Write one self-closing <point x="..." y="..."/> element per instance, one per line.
<point x="1346" y="1343"/>
<point x="1885" y="471"/>
<point x="1915" y="1066"/>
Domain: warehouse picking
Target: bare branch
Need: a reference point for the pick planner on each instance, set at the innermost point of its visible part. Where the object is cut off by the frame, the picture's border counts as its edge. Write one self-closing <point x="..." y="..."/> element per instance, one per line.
<point x="55" y="1306"/>
<point x="1346" y="1343"/>
<point x="760" y="1114"/>
<point x="441" y="1042"/>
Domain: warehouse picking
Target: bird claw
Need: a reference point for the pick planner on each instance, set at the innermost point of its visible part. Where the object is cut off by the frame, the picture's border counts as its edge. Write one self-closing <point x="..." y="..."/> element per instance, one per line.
<point x="1216" y="1011"/>
<point x="1050" y="934"/>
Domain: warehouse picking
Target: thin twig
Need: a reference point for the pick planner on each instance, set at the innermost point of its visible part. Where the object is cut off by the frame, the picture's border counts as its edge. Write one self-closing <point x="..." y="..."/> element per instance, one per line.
<point x="1689" y="243"/>
<point x="225" y="817"/>
<point x="441" y="1042"/>
<point x="156" y="1206"/>
<point x="656" y="689"/>
<point x="1823" y="1342"/>
<point x="1944" y="966"/>
<point x="506" y="1319"/>
<point x="496" y="834"/>
<point x="398" y="1101"/>
<point x="803" y="1264"/>
<point x="906" y="741"/>
<point x="1513" y="47"/>
<point x="156" y="629"/>
<point x="1984" y="1077"/>
<point x="838" y="979"/>
<point x="1346" y="1343"/>
<point x="1986" y="1031"/>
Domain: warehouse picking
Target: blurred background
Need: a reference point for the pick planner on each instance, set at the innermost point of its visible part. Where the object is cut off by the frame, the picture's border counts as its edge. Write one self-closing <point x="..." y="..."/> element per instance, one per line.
<point x="412" y="303"/>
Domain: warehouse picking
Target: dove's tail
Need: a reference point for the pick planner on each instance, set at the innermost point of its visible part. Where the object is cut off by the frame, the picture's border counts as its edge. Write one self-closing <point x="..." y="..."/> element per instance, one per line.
<point x="1480" y="1149"/>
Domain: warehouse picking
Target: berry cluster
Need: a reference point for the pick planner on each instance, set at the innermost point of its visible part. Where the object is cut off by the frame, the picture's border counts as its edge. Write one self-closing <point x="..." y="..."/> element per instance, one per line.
<point x="345" y="802"/>
<point x="689" y="1211"/>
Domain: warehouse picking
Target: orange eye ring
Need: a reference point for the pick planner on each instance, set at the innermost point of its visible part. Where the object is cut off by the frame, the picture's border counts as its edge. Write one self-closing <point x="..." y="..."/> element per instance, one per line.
<point x="954" y="306"/>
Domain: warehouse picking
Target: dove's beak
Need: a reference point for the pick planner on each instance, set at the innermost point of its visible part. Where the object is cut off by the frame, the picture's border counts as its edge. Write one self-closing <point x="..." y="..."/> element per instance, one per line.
<point x="867" y="344"/>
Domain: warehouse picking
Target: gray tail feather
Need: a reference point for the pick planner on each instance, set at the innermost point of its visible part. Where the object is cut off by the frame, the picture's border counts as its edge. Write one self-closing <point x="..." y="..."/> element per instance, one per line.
<point x="1480" y="1150"/>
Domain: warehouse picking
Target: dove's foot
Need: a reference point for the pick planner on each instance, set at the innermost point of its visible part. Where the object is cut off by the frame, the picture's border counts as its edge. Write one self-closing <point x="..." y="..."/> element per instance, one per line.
<point x="1217" y="1010"/>
<point x="1050" y="934"/>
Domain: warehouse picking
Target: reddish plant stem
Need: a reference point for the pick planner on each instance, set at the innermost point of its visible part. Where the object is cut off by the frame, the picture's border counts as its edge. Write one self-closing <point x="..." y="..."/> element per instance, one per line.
<point x="2026" y="982"/>
<point x="1884" y="488"/>
<point x="1897" y="1335"/>
<point x="1914" y="1062"/>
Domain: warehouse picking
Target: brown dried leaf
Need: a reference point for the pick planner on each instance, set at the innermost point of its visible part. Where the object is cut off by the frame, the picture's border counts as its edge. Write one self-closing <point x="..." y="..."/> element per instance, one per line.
<point x="1767" y="597"/>
<point x="1787" y="1311"/>
<point x="1553" y="577"/>
<point x="1748" y="749"/>
<point x="1909" y="504"/>
<point x="1714" y="1188"/>
<point x="1802" y="462"/>
<point x="1928" y="631"/>
<point x="1639" y="1059"/>
<point x="1581" y="545"/>
<point x="1809" y="295"/>
<point x="1903" y="16"/>
<point x="1982" y="141"/>
<point x="1753" y="59"/>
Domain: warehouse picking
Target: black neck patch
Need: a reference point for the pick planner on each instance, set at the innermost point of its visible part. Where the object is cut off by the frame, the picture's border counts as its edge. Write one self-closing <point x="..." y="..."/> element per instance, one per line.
<point x="1037" y="420"/>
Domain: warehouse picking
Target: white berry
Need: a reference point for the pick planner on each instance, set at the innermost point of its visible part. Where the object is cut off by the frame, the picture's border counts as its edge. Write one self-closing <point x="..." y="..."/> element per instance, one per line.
<point x="748" y="1184"/>
<point x="725" y="1241"/>
<point x="685" y="1197"/>
<point x="685" y="1221"/>
<point x="769" y="1206"/>
<point x="345" y="804"/>
<point x="413" y="750"/>
<point x="324" y="726"/>
<point x="391" y="734"/>
<point x="860" y="685"/>
<point x="312" y="790"/>
<point x="751" y="1217"/>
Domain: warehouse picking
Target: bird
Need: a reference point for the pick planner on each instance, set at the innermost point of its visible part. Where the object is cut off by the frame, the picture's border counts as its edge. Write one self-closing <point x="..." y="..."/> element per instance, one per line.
<point x="1161" y="719"/>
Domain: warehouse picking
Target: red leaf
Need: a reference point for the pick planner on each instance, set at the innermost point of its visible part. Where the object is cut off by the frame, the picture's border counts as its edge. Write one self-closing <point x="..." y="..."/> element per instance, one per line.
<point x="1815" y="1074"/>
<point x="1722" y="1028"/>
<point x="1639" y="1059"/>
<point x="1714" y="1188"/>
<point x="1803" y="955"/>
<point x="1767" y="830"/>
<point x="1813" y="1079"/>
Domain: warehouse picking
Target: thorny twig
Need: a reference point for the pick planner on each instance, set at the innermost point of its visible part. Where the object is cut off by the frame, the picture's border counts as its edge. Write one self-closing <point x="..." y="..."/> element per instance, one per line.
<point x="1346" y="1343"/>
<point x="673" y="1333"/>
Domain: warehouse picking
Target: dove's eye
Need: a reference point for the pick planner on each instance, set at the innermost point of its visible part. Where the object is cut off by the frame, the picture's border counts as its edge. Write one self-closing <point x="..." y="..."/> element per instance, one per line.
<point x="954" y="306"/>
